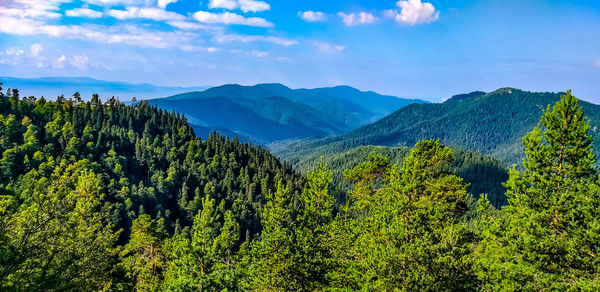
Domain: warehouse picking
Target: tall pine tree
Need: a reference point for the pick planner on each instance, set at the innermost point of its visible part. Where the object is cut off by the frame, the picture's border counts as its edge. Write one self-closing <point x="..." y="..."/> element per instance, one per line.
<point x="549" y="236"/>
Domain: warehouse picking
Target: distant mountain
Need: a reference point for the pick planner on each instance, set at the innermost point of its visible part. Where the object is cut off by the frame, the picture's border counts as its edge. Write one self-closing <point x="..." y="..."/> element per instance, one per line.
<point x="493" y="123"/>
<point x="270" y="112"/>
<point x="51" y="87"/>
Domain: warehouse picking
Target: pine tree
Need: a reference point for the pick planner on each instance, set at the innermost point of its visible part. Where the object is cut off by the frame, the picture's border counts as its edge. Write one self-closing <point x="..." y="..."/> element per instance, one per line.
<point x="143" y="258"/>
<point x="403" y="228"/>
<point x="272" y="254"/>
<point x="193" y="258"/>
<point x="548" y="239"/>
<point x="59" y="238"/>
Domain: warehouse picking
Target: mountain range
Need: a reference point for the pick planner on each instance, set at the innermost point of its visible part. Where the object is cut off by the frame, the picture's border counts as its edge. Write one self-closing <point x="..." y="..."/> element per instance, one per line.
<point x="300" y="123"/>
<point x="51" y="87"/>
<point x="271" y="112"/>
<point x="489" y="123"/>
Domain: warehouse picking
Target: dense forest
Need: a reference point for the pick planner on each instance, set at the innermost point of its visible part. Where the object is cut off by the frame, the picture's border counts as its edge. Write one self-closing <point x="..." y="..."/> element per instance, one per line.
<point x="492" y="124"/>
<point x="482" y="173"/>
<point x="102" y="196"/>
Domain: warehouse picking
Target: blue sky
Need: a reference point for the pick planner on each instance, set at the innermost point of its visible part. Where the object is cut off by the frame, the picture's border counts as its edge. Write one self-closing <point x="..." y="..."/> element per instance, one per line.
<point x="428" y="49"/>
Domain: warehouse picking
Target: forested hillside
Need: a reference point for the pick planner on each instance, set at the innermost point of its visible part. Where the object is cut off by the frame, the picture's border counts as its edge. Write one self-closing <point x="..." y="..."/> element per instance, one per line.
<point x="269" y="112"/>
<point x="128" y="163"/>
<point x="102" y="196"/>
<point x="483" y="174"/>
<point x="492" y="123"/>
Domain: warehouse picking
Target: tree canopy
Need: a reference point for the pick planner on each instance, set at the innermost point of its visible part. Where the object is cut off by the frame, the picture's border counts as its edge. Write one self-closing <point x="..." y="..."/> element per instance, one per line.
<point x="102" y="196"/>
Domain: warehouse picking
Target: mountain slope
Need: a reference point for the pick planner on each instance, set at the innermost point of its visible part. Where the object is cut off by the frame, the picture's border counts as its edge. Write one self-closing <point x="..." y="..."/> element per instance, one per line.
<point x="483" y="173"/>
<point x="244" y="110"/>
<point x="493" y="123"/>
<point x="51" y="87"/>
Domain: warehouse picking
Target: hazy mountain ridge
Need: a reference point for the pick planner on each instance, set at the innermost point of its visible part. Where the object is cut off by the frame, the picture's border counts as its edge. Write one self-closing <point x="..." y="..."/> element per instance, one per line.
<point x="51" y="87"/>
<point x="272" y="112"/>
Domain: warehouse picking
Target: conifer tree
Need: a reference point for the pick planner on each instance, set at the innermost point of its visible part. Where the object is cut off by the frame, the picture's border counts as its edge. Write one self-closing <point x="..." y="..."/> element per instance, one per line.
<point x="60" y="238"/>
<point x="272" y="254"/>
<point x="548" y="238"/>
<point x="143" y="258"/>
<point x="403" y="229"/>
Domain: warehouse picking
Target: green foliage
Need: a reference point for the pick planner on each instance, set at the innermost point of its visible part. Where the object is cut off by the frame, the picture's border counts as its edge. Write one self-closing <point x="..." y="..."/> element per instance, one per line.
<point x="403" y="228"/>
<point x="483" y="173"/>
<point x="147" y="164"/>
<point x="272" y="252"/>
<point x="292" y="254"/>
<point x="492" y="124"/>
<point x="548" y="239"/>
<point x="207" y="260"/>
<point x="143" y="258"/>
<point x="60" y="237"/>
<point x="101" y="196"/>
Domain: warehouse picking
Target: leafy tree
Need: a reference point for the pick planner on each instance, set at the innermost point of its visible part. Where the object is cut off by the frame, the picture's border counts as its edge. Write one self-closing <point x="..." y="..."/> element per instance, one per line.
<point x="225" y="271"/>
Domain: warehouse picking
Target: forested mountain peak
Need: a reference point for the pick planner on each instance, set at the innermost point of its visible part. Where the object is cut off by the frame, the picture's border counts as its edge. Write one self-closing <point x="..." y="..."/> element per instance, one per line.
<point x="245" y="111"/>
<point x="492" y="123"/>
<point x="466" y="96"/>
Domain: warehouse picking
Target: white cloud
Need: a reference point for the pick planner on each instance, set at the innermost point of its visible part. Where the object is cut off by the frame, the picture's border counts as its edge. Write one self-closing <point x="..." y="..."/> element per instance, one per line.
<point x="253" y="6"/>
<point x="35" y="49"/>
<point x="124" y="34"/>
<point x="192" y="48"/>
<point x="357" y="19"/>
<point x="255" y="38"/>
<point x="164" y="3"/>
<point x="259" y="54"/>
<point x="19" y="26"/>
<point x="60" y="62"/>
<point x="230" y="18"/>
<point x="327" y="48"/>
<point x="312" y="16"/>
<point x="226" y="4"/>
<point x="83" y="12"/>
<point x="14" y="51"/>
<point x="244" y="5"/>
<point x="109" y="3"/>
<point x="147" y="13"/>
<point x="42" y="4"/>
<point x="188" y="25"/>
<point x="79" y="61"/>
<point x="413" y="12"/>
<point x="28" y="12"/>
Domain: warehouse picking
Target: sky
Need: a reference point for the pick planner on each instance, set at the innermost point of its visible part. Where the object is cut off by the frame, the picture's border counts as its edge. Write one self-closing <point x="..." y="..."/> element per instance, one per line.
<point x="427" y="49"/>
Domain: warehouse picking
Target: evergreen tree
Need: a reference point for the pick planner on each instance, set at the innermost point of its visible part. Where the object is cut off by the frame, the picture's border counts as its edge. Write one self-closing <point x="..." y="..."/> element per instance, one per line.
<point x="272" y="253"/>
<point x="60" y="237"/>
<point x="549" y="237"/>
<point x="143" y="258"/>
<point x="403" y="229"/>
